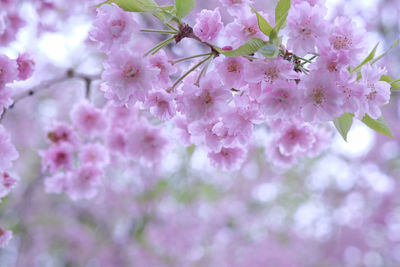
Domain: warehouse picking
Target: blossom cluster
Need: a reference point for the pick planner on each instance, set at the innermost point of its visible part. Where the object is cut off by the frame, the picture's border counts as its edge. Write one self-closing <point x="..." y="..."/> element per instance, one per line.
<point x="80" y="152"/>
<point x="10" y="70"/>
<point x="309" y="82"/>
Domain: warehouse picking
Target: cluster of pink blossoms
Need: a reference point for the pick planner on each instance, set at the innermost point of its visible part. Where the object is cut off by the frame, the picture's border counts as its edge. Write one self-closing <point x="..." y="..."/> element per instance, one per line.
<point x="218" y="107"/>
<point x="10" y="70"/>
<point x="79" y="153"/>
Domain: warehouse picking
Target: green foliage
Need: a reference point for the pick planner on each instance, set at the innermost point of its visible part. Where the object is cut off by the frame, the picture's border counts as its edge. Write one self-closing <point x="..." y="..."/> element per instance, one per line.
<point x="281" y="12"/>
<point x="367" y="59"/>
<point x="183" y="7"/>
<point x="384" y="54"/>
<point x="343" y="124"/>
<point x="263" y="24"/>
<point x="163" y="13"/>
<point x="379" y="125"/>
<point x="133" y="5"/>
<point x="269" y="50"/>
<point x="250" y="47"/>
<point x="394" y="84"/>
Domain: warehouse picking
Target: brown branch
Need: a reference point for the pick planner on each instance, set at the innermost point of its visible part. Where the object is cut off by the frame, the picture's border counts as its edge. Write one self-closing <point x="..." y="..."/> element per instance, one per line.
<point x="69" y="74"/>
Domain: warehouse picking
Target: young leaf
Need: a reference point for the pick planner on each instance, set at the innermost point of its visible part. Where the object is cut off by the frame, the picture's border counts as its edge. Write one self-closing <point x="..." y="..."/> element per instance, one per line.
<point x="263" y="24"/>
<point x="252" y="46"/>
<point x="132" y="5"/>
<point x="387" y="51"/>
<point x="183" y="7"/>
<point x="163" y="13"/>
<point x="379" y="125"/>
<point x="367" y="59"/>
<point x="281" y="12"/>
<point x="394" y="84"/>
<point x="269" y="50"/>
<point x="343" y="124"/>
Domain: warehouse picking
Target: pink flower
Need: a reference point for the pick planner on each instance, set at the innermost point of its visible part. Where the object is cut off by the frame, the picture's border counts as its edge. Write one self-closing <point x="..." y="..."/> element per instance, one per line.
<point x="8" y="71"/>
<point x="58" y="157"/>
<point x="376" y="94"/>
<point x="323" y="138"/>
<point x="311" y="2"/>
<point x="352" y="91"/>
<point x="128" y="75"/>
<point x="10" y="23"/>
<point x="237" y="7"/>
<point x="347" y="40"/>
<point x="202" y="132"/>
<point x="7" y="183"/>
<point x="234" y="129"/>
<point x="274" y="154"/>
<point x="8" y="153"/>
<point x="26" y="66"/>
<point x="243" y="29"/>
<point x="5" y="237"/>
<point x="208" y="25"/>
<point x="58" y="183"/>
<point x="205" y="101"/>
<point x="87" y="119"/>
<point x="305" y="25"/>
<point x="116" y="141"/>
<point x="229" y="158"/>
<point x="161" y="105"/>
<point x="94" y="154"/>
<point x="231" y="70"/>
<point x="62" y="132"/>
<point x="322" y="99"/>
<point x="182" y="130"/>
<point x="295" y="138"/>
<point x="161" y="62"/>
<point x="328" y="61"/>
<point x="283" y="100"/>
<point x="84" y="182"/>
<point x="269" y="71"/>
<point x="248" y="109"/>
<point x="146" y="143"/>
<point x="112" y="27"/>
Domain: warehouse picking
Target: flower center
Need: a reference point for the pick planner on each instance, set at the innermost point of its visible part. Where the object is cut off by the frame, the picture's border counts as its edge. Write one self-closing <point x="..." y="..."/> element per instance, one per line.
<point x="117" y="26"/>
<point x="342" y="42"/>
<point x="130" y="71"/>
<point x="319" y="96"/>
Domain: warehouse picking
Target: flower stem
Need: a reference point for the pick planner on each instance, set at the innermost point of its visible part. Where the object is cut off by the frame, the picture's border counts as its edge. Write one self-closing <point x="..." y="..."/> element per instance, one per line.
<point x="190" y="71"/>
<point x="188" y="58"/>
<point x="159" y="46"/>
<point x="158" y="31"/>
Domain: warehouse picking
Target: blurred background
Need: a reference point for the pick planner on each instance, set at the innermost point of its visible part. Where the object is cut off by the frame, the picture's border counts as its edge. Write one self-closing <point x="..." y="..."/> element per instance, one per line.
<point x="339" y="209"/>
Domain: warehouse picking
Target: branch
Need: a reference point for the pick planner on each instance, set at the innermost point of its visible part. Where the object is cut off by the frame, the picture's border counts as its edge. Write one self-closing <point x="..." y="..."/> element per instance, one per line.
<point x="69" y="74"/>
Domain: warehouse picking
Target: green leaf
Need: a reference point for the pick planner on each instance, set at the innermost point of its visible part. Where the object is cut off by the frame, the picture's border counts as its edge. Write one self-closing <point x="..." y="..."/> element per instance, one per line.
<point x="183" y="7"/>
<point x="367" y="59"/>
<point x="379" y="125"/>
<point x="387" y="51"/>
<point x="394" y="84"/>
<point x="166" y="13"/>
<point x="269" y="50"/>
<point x="281" y="12"/>
<point x="132" y="5"/>
<point x="252" y="46"/>
<point x="343" y="124"/>
<point x="263" y="24"/>
<point x="163" y="13"/>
